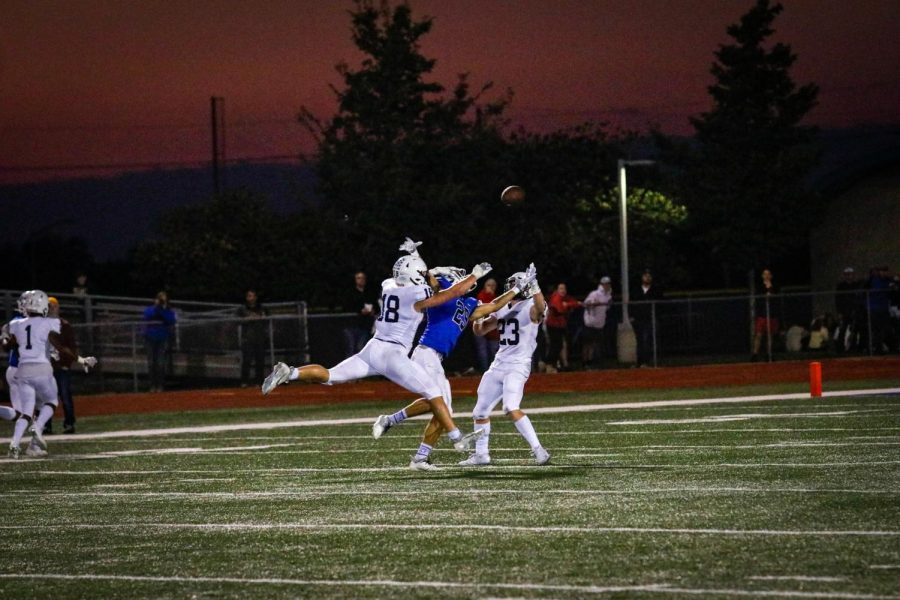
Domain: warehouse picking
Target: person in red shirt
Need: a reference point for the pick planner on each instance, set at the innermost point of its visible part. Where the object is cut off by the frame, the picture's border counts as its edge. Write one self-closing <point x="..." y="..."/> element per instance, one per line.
<point x="486" y="345"/>
<point x="560" y="305"/>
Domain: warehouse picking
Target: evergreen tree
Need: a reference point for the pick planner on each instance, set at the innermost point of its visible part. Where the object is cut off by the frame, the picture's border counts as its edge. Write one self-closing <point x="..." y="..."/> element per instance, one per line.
<point x="744" y="181"/>
<point x="401" y="157"/>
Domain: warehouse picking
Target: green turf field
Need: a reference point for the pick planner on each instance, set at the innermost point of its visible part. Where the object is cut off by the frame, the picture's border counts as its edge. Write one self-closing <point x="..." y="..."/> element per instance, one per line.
<point x="787" y="498"/>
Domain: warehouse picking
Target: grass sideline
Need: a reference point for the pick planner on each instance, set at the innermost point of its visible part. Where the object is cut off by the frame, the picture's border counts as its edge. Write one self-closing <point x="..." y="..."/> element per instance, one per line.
<point x="790" y="498"/>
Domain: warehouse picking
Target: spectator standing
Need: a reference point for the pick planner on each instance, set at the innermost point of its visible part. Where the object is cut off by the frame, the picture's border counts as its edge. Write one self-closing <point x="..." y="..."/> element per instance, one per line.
<point x="61" y="368"/>
<point x="560" y="305"/>
<point x="80" y="288"/>
<point x="160" y="320"/>
<point x="362" y="300"/>
<point x="765" y="310"/>
<point x="846" y="302"/>
<point x="254" y="335"/>
<point x="486" y="346"/>
<point x="642" y="317"/>
<point x="596" y="307"/>
<point x="878" y="301"/>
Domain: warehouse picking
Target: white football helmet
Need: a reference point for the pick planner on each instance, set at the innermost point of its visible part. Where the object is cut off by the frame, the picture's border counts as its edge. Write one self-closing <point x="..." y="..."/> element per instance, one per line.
<point x="410" y="270"/>
<point x="515" y="280"/>
<point x="20" y="303"/>
<point x="452" y="275"/>
<point x="36" y="303"/>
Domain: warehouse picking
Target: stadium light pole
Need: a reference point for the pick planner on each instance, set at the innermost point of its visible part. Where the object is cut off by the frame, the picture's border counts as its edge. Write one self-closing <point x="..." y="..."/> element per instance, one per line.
<point x="627" y="345"/>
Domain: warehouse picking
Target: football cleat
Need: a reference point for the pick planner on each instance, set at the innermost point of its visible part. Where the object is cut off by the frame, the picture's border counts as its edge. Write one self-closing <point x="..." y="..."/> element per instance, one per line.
<point x="280" y="374"/>
<point x="421" y="465"/>
<point x="14" y="452"/>
<point x="34" y="451"/>
<point x="467" y="442"/>
<point x="475" y="460"/>
<point x="37" y="437"/>
<point x="541" y="456"/>
<point x="381" y="425"/>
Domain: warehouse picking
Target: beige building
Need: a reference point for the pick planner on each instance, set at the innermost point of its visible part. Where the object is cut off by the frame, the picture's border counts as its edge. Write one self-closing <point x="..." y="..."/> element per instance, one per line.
<point x="860" y="228"/>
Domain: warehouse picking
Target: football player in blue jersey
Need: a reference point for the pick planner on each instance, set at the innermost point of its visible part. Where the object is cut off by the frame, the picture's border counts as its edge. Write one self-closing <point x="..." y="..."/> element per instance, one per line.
<point x="445" y="325"/>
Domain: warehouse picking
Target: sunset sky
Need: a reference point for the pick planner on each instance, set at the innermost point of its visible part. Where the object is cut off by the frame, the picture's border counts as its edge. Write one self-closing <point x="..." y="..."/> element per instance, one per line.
<point x="99" y="82"/>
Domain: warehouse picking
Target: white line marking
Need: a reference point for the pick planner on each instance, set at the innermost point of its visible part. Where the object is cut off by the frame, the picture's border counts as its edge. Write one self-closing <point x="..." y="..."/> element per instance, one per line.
<point x="536" y="411"/>
<point x="884" y="566"/>
<point x="315" y="493"/>
<point x="448" y="468"/>
<point x="461" y="527"/>
<point x="657" y="588"/>
<point x="795" y="578"/>
<point x="740" y="417"/>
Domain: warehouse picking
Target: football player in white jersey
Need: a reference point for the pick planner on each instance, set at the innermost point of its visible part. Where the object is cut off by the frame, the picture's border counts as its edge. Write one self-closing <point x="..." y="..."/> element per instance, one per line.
<point x="34" y="336"/>
<point x="446" y="323"/>
<point x="404" y="299"/>
<point x="11" y="414"/>
<point x="518" y="324"/>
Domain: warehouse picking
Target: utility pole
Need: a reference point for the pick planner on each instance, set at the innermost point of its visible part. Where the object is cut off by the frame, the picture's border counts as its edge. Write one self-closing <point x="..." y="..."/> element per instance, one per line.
<point x="627" y="345"/>
<point x="217" y="115"/>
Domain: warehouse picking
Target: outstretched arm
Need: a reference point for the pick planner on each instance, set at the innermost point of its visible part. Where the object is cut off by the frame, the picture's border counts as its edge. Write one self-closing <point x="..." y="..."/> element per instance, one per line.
<point x="57" y="341"/>
<point x="455" y="291"/>
<point x="483" y="326"/>
<point x="539" y="308"/>
<point x="492" y="307"/>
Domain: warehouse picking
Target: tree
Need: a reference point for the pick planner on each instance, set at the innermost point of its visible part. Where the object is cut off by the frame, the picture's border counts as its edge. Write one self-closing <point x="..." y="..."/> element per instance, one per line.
<point x="744" y="180"/>
<point x="405" y="156"/>
<point x="217" y="249"/>
<point x="401" y="157"/>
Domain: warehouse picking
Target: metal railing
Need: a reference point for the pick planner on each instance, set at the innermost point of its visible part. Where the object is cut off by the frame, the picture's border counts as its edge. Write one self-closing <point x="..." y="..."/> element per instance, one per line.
<point x="209" y="344"/>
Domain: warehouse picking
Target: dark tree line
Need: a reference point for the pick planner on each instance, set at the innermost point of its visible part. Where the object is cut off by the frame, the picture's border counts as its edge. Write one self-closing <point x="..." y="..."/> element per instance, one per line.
<point x="404" y="155"/>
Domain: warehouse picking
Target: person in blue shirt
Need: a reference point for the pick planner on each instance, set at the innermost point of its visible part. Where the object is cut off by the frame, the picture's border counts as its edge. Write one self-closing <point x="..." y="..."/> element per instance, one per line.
<point x="445" y="325"/>
<point x="159" y="319"/>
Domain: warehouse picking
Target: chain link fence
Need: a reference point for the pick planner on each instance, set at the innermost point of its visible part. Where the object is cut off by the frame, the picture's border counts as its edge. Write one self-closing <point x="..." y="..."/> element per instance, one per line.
<point x="209" y="343"/>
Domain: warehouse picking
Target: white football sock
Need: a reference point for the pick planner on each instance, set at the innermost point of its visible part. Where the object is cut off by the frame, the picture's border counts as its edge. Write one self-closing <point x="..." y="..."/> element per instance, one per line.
<point x="454" y="435"/>
<point x="481" y="444"/>
<point x="424" y="452"/>
<point x="295" y="374"/>
<point x="45" y="415"/>
<point x="21" y="425"/>
<point x="527" y="431"/>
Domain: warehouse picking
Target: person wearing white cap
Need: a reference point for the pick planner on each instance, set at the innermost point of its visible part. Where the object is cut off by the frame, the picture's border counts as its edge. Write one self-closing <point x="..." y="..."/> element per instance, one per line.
<point x="596" y="306"/>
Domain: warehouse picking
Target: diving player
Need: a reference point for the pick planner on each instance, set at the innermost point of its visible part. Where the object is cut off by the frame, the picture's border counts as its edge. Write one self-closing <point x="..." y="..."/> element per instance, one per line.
<point x="33" y="336"/>
<point x="518" y="323"/>
<point x="446" y="324"/>
<point x="404" y="298"/>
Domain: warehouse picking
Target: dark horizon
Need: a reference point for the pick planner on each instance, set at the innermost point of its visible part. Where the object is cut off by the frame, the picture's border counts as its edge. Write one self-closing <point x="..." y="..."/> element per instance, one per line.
<point x="130" y="83"/>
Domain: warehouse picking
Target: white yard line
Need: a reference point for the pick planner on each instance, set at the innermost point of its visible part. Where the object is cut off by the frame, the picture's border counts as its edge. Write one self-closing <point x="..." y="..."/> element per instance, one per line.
<point x="535" y="411"/>
<point x="742" y="417"/>
<point x="313" y="493"/>
<point x="449" y="467"/>
<point x="795" y="578"/>
<point x="656" y="588"/>
<point x="459" y="527"/>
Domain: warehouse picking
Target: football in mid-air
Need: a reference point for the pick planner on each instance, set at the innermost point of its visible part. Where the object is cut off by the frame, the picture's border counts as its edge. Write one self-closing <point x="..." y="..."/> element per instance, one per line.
<point x="512" y="195"/>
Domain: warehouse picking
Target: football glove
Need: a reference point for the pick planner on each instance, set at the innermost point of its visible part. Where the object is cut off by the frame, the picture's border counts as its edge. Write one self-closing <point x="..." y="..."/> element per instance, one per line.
<point x="410" y="246"/>
<point x="481" y="269"/>
<point x="87" y="362"/>
<point x="529" y="278"/>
